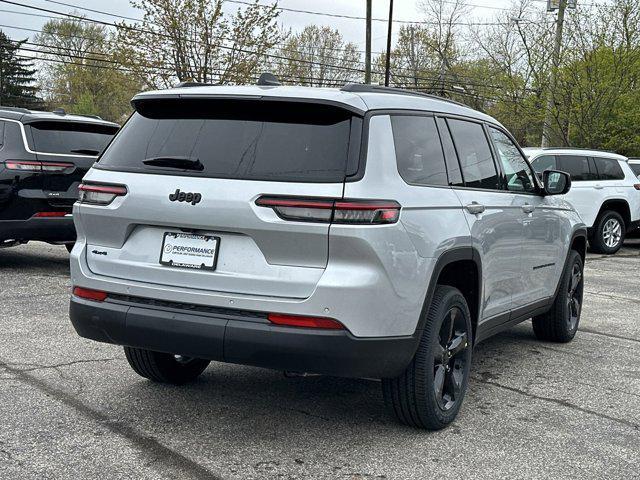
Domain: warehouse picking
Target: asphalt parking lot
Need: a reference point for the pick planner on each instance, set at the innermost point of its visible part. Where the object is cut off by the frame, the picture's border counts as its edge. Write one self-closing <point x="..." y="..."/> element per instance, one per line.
<point x="72" y="408"/>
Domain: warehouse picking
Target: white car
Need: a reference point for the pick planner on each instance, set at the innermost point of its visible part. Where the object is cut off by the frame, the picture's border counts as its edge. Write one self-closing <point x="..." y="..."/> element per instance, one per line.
<point x="605" y="191"/>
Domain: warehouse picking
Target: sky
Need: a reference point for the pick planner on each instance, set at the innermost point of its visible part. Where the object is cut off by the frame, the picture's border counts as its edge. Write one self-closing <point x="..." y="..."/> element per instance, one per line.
<point x="352" y="30"/>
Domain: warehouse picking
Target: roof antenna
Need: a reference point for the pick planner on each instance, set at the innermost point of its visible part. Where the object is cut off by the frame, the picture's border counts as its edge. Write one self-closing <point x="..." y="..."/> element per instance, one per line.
<point x="269" y="80"/>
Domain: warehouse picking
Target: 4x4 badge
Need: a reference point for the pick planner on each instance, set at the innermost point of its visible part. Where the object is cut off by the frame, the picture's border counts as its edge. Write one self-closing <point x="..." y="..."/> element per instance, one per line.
<point x="179" y="196"/>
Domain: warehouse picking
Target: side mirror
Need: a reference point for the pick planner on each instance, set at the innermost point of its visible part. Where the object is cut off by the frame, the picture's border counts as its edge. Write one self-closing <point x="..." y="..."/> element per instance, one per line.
<point x="556" y="182"/>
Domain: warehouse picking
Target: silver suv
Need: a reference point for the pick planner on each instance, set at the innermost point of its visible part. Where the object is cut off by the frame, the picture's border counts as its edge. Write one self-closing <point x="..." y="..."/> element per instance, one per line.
<point x="357" y="232"/>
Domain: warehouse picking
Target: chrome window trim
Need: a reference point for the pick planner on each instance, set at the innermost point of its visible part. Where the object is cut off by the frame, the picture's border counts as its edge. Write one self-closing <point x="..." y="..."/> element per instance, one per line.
<point x="28" y="149"/>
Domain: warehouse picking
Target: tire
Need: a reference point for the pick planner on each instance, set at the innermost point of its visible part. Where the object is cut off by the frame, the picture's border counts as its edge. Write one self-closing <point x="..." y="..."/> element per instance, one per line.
<point x="413" y="398"/>
<point x="164" y="367"/>
<point x="69" y="246"/>
<point x="608" y="233"/>
<point x="560" y="324"/>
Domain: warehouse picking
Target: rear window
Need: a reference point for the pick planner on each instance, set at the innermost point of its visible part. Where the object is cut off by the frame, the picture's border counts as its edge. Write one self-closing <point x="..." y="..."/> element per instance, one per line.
<point x="70" y="138"/>
<point x="249" y="140"/>
<point x="418" y="150"/>
<point x="608" y="169"/>
<point x="635" y="167"/>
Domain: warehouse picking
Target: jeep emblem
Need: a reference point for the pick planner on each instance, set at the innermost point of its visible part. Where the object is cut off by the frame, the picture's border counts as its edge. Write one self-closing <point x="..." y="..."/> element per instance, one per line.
<point x="190" y="197"/>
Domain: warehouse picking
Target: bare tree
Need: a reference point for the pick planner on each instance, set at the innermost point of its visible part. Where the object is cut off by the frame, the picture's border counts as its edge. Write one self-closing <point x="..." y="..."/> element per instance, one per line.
<point x="318" y="56"/>
<point x="193" y="40"/>
<point x="442" y="38"/>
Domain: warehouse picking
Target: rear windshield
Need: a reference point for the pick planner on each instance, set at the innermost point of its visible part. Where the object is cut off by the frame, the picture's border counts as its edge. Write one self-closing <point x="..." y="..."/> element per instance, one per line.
<point x="70" y="138"/>
<point x="250" y="140"/>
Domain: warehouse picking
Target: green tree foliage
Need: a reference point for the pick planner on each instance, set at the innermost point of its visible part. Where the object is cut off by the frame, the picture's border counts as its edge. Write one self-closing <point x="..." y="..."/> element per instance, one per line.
<point x="80" y="73"/>
<point x="503" y="67"/>
<point x="317" y="56"/>
<point x="194" y="40"/>
<point x="17" y="81"/>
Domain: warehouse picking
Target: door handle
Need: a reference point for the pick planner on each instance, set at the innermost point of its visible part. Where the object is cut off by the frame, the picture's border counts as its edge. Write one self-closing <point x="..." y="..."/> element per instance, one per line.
<point x="526" y="208"/>
<point x="475" y="208"/>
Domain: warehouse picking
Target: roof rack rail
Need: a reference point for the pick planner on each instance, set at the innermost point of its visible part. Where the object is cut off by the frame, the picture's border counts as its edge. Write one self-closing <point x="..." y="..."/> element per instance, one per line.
<point x="193" y="84"/>
<point x="365" y="88"/>
<point x="579" y="148"/>
<point x="15" y="109"/>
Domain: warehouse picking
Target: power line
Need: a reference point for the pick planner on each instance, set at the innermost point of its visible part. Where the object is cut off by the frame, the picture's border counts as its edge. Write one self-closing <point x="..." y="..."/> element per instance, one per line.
<point x="160" y="34"/>
<point x="456" y="79"/>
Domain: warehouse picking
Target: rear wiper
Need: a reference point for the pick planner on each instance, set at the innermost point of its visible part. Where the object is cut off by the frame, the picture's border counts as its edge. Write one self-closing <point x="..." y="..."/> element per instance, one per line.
<point x="184" y="163"/>
<point x="86" y="151"/>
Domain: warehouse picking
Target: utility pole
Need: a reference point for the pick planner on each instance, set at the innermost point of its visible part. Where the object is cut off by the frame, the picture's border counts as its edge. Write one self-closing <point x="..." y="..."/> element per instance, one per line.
<point x="388" y="64"/>
<point x="553" y="78"/>
<point x="367" y="54"/>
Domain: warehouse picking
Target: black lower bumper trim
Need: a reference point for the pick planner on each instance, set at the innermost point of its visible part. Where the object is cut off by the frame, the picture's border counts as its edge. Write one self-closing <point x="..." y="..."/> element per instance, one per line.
<point x="246" y="342"/>
<point x="56" y="229"/>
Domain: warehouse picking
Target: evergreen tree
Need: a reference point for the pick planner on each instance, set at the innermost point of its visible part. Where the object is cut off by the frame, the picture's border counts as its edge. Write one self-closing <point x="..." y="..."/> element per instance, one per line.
<point x="17" y="82"/>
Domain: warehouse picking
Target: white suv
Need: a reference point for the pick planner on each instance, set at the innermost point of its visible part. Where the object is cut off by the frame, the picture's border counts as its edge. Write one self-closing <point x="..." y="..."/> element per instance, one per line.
<point x="604" y="191"/>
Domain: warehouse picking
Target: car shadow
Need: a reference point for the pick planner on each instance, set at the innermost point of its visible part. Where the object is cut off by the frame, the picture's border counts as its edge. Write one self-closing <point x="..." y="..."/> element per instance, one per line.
<point x="45" y="259"/>
<point x="254" y="401"/>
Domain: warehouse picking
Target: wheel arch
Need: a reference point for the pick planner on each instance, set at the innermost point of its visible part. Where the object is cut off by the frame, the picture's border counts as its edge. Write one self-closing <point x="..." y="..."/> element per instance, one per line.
<point x="578" y="244"/>
<point x="460" y="268"/>
<point x="618" y="205"/>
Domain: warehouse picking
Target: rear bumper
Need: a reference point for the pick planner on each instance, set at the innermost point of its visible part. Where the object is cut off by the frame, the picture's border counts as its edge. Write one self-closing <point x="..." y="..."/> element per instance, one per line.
<point x="247" y="339"/>
<point x="45" y="229"/>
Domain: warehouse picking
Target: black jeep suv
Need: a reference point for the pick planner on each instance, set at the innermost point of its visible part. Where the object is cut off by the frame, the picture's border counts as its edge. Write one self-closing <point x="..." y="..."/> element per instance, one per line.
<point x="43" y="157"/>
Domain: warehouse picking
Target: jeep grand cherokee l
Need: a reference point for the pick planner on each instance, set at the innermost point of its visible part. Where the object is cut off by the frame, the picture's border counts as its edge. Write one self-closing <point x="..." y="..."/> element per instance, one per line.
<point x="605" y="192"/>
<point x="358" y="232"/>
<point x="43" y="157"/>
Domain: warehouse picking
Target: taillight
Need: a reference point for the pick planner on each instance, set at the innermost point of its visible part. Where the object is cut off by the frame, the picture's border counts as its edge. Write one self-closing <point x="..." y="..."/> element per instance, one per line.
<point x="50" y="214"/>
<point x="360" y="212"/>
<point x="637" y="186"/>
<point x="100" y="194"/>
<point x="89" y="294"/>
<point x="31" y="166"/>
<point x="57" y="166"/>
<point x="304" y="322"/>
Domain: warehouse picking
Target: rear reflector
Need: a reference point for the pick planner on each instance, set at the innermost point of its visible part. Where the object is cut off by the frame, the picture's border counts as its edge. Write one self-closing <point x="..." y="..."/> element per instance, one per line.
<point x="31" y="166"/>
<point x="305" y="322"/>
<point x="50" y="214"/>
<point x="100" y="194"/>
<point x="359" y="212"/>
<point x="88" y="294"/>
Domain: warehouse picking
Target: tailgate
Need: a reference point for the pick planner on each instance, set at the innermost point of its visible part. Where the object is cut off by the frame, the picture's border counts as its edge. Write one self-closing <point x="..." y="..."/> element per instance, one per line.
<point x="198" y="169"/>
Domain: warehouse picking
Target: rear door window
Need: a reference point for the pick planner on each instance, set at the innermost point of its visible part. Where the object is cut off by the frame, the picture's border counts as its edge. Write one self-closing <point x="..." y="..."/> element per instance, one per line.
<point x="418" y="150"/>
<point x="248" y="140"/>
<point x="577" y="166"/>
<point x="474" y="152"/>
<point x="608" y="169"/>
<point x="70" y="138"/>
